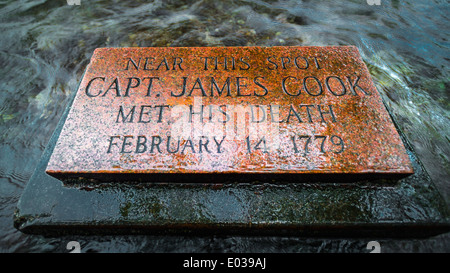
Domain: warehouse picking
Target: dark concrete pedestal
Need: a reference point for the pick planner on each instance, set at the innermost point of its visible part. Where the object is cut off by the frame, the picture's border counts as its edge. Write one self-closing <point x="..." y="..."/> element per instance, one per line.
<point x="409" y="206"/>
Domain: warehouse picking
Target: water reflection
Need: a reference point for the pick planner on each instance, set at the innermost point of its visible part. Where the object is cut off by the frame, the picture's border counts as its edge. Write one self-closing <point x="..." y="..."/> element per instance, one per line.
<point x="45" y="46"/>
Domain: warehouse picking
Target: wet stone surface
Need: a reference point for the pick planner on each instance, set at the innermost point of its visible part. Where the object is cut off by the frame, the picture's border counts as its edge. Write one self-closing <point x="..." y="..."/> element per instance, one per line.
<point x="140" y="112"/>
<point x="396" y="207"/>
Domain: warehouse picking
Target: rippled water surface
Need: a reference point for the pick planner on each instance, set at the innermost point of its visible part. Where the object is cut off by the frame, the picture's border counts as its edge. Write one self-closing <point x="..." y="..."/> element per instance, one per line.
<point x="46" y="45"/>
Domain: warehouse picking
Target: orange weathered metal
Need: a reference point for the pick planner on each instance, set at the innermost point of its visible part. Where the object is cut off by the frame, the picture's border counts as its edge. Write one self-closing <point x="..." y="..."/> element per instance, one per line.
<point x="233" y="110"/>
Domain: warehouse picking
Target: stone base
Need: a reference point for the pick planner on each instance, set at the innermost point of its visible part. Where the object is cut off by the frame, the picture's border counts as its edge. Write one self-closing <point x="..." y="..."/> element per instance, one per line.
<point x="409" y="206"/>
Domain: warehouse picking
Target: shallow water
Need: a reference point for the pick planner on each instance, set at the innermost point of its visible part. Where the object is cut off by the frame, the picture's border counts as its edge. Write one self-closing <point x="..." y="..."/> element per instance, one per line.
<point x="46" y="45"/>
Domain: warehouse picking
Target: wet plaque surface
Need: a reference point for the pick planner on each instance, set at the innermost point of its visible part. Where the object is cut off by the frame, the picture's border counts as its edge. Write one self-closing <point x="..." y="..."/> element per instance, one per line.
<point x="140" y="112"/>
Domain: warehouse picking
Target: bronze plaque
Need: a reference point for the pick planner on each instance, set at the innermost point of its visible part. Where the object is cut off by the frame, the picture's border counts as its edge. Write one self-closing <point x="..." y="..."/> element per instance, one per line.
<point x="229" y="110"/>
